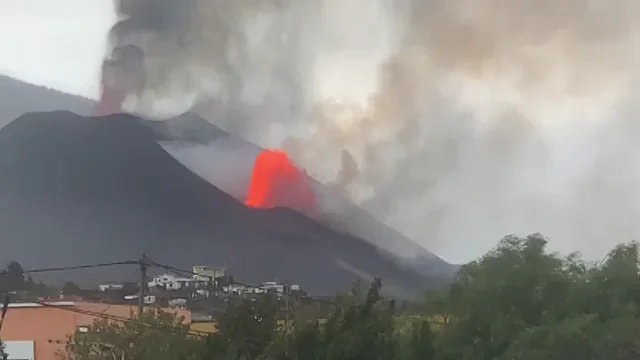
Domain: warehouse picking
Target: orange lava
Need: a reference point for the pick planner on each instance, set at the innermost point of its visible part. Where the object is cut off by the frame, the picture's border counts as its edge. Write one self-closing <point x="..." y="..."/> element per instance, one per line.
<point x="111" y="98"/>
<point x="276" y="182"/>
<point x="110" y="102"/>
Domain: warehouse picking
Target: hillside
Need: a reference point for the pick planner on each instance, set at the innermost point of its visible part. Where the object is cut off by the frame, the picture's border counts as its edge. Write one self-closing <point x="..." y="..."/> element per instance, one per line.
<point x="17" y="98"/>
<point x="227" y="162"/>
<point x="81" y="190"/>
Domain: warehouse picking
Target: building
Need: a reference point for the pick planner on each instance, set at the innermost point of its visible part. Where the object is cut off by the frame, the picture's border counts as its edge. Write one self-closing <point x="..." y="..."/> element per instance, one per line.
<point x="203" y="276"/>
<point x="33" y="331"/>
<point x="171" y="282"/>
<point x="108" y="287"/>
<point x="265" y="287"/>
<point x="205" y="273"/>
<point x="202" y="322"/>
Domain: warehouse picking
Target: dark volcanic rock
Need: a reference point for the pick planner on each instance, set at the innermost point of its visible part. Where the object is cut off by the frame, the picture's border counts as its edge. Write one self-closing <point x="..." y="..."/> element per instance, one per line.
<point x="18" y="97"/>
<point x="77" y="190"/>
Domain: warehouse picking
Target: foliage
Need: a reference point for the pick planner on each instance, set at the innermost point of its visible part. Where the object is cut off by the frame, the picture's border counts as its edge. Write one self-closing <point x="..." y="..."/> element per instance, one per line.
<point x="246" y="329"/>
<point x="359" y="329"/>
<point x="153" y="335"/>
<point x="21" y="285"/>
<point x="516" y="302"/>
<point x="12" y="278"/>
<point x="519" y="302"/>
<point x="3" y="354"/>
<point x="70" y="288"/>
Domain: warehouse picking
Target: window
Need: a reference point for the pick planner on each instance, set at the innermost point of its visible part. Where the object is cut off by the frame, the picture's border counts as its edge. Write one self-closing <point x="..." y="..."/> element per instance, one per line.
<point x="19" y="350"/>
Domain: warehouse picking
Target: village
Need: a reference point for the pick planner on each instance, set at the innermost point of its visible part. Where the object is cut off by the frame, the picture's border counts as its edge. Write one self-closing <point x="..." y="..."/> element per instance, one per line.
<point x="198" y="296"/>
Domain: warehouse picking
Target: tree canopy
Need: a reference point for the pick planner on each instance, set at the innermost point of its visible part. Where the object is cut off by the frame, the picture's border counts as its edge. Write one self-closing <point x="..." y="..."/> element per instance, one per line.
<point x="518" y="301"/>
<point x="21" y="285"/>
<point x="153" y="335"/>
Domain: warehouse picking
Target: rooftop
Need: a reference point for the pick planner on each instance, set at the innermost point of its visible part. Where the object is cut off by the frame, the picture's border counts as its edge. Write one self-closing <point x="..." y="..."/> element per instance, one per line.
<point x="36" y="305"/>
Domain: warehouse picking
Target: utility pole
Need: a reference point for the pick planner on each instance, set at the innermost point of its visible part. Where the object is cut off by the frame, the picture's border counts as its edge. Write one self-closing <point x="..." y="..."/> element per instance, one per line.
<point x="286" y="305"/>
<point x="143" y="284"/>
<point x="286" y="315"/>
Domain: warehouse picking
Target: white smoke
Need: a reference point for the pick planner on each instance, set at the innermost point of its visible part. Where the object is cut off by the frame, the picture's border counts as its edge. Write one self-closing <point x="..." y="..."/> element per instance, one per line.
<point x="467" y="119"/>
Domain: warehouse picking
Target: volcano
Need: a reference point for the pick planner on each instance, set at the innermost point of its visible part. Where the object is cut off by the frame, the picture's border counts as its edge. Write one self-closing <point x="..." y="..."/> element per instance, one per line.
<point x="17" y="98"/>
<point x="78" y="189"/>
<point x="235" y="165"/>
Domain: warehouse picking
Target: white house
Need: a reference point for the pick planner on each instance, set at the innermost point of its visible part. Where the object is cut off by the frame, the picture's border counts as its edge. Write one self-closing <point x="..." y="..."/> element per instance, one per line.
<point x="259" y="289"/>
<point x="208" y="274"/>
<point x="181" y="303"/>
<point x="273" y="286"/>
<point x="171" y="282"/>
<point x="148" y="299"/>
<point x="235" y="289"/>
<point x="107" y="287"/>
<point x="278" y="288"/>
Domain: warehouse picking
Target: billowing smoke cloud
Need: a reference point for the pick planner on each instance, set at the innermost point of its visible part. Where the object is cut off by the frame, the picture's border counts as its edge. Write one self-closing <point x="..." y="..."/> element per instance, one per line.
<point x="464" y="120"/>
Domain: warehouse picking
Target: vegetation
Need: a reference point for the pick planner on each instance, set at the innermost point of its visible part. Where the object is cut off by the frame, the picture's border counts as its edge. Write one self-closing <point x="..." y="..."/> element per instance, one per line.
<point x="21" y="286"/>
<point x="516" y="302"/>
<point x="154" y="335"/>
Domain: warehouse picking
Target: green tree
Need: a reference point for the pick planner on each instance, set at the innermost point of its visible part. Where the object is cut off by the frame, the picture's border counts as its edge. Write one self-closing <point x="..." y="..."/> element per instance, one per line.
<point x="519" y="301"/>
<point x="603" y="321"/>
<point x="15" y="269"/>
<point x="361" y="329"/>
<point x="70" y="288"/>
<point x="154" y="335"/>
<point x="3" y="353"/>
<point x="246" y="329"/>
<point x="510" y="289"/>
<point x="12" y="277"/>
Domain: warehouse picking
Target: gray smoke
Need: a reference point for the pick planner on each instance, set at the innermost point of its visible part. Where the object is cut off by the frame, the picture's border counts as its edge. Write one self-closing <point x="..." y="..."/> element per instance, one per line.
<point x="464" y="120"/>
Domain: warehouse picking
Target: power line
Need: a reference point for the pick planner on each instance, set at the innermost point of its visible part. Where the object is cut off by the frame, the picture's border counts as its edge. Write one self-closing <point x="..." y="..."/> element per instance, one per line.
<point x="120" y="318"/>
<point x="78" y="267"/>
<point x="183" y="271"/>
<point x="146" y="262"/>
<point x="178" y="271"/>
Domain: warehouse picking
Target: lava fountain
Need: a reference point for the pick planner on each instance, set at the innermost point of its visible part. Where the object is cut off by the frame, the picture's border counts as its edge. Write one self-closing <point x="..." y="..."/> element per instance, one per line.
<point x="277" y="182"/>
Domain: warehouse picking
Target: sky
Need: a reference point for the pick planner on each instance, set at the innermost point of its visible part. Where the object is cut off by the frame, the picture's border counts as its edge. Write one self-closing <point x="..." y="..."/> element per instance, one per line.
<point x="57" y="44"/>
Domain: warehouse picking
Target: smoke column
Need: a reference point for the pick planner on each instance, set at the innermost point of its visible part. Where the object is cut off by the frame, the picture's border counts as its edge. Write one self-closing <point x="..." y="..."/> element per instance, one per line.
<point x="463" y="120"/>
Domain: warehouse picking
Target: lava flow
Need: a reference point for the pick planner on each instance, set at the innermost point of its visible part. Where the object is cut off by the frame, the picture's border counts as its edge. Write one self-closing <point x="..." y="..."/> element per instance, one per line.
<point x="277" y="182"/>
<point x="111" y="98"/>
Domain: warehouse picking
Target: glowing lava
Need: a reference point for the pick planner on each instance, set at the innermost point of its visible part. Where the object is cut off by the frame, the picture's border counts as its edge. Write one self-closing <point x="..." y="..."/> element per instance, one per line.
<point x="110" y="101"/>
<point x="276" y="182"/>
<point x="111" y="98"/>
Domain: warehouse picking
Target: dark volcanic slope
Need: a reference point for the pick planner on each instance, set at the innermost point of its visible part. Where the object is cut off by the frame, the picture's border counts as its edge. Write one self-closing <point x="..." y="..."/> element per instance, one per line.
<point x="189" y="128"/>
<point x="18" y="97"/>
<point x="82" y="190"/>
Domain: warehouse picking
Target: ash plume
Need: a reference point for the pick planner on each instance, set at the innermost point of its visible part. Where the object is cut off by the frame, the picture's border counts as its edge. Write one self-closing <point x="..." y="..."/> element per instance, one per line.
<point x="464" y="120"/>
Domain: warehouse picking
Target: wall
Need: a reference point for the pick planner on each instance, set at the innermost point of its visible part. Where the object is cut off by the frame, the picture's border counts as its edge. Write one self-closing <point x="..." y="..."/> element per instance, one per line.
<point x="46" y="326"/>
<point x="207" y="327"/>
<point x="49" y="327"/>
